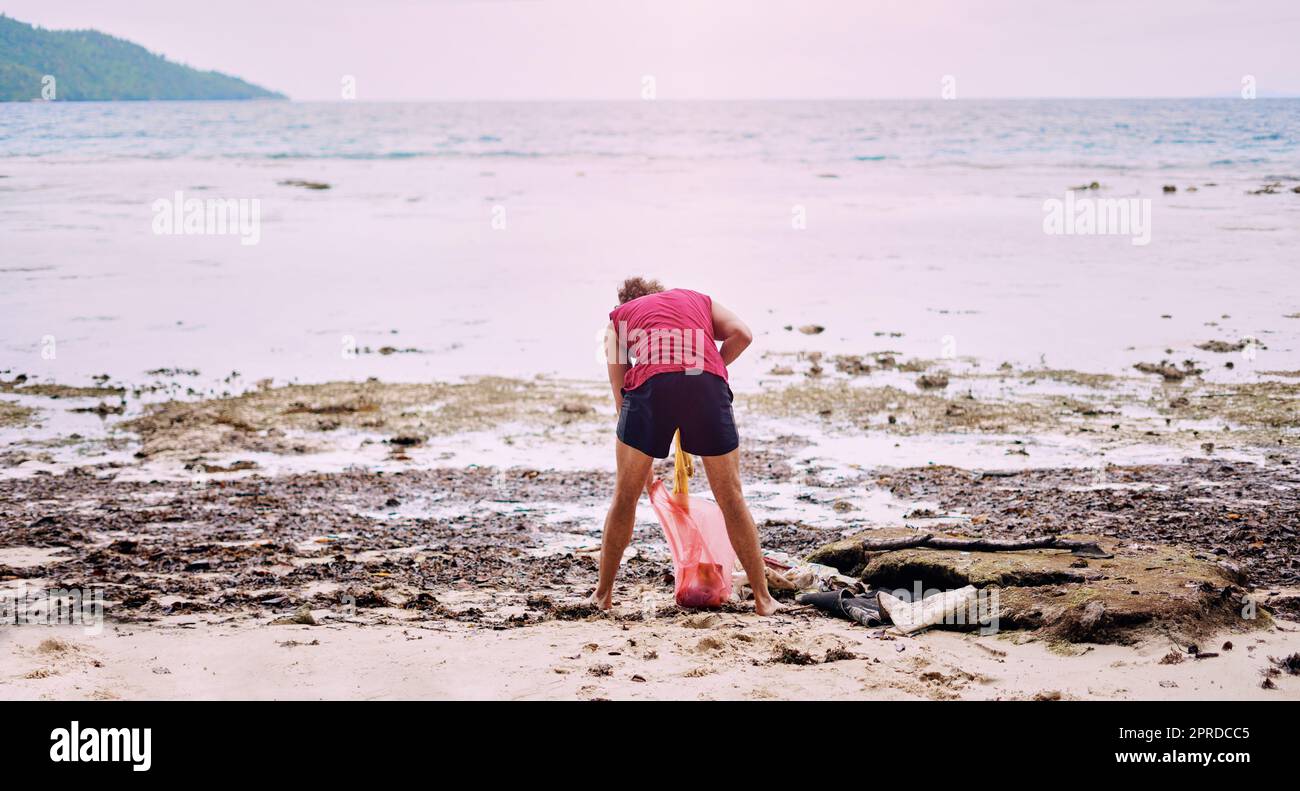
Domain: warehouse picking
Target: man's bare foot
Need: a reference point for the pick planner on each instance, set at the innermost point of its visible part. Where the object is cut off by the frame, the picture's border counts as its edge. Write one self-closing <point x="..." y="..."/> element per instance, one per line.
<point x="767" y="606"/>
<point x="603" y="602"/>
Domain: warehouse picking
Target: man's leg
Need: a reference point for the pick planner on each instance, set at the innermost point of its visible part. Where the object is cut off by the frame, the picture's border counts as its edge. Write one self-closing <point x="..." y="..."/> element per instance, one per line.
<point x="632" y="477"/>
<point x="724" y="480"/>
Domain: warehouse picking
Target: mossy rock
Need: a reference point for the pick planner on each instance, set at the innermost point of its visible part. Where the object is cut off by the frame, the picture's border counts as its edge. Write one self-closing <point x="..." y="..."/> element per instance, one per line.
<point x="1061" y="595"/>
<point x="846" y="554"/>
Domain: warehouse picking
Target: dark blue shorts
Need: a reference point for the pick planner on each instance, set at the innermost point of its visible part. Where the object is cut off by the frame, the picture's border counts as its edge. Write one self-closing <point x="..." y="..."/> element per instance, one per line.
<point x="699" y="404"/>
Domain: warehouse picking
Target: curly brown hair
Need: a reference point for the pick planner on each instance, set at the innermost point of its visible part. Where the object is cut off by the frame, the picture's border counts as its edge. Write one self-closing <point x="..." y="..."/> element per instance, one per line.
<point x="635" y="287"/>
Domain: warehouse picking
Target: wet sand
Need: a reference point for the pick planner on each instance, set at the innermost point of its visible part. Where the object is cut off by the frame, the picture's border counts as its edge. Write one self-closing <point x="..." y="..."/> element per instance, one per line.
<point x="919" y="260"/>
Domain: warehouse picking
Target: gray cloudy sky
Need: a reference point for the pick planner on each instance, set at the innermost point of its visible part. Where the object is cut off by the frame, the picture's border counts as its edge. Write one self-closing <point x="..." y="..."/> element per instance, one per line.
<point x="699" y="49"/>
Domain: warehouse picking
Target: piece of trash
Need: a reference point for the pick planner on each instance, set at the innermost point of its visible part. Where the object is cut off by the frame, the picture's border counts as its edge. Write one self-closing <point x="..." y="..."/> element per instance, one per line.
<point x="909" y="617"/>
<point x="864" y="609"/>
<point x="785" y="572"/>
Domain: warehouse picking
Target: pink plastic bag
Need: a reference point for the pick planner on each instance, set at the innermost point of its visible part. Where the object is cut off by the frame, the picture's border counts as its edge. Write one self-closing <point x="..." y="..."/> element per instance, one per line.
<point x="697" y="537"/>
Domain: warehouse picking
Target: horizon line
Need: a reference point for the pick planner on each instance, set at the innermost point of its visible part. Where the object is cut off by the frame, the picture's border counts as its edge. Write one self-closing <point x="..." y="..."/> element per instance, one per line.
<point x="625" y="100"/>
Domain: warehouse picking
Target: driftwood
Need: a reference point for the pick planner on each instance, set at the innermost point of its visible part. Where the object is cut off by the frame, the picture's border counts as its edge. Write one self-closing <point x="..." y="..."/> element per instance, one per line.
<point x="1087" y="549"/>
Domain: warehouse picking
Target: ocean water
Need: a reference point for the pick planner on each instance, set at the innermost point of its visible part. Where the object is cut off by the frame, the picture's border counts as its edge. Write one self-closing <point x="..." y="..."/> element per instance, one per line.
<point x="1099" y="134"/>
<point x="489" y="238"/>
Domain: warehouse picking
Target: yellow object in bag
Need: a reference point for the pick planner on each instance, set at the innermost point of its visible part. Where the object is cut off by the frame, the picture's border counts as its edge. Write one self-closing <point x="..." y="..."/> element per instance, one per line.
<point x="683" y="469"/>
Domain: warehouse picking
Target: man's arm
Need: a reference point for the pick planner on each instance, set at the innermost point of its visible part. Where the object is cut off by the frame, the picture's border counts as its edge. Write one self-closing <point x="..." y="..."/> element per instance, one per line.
<point x="733" y="333"/>
<point x="617" y="369"/>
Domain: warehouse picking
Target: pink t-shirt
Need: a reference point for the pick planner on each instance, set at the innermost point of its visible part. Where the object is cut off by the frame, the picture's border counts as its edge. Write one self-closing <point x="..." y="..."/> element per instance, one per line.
<point x="668" y="331"/>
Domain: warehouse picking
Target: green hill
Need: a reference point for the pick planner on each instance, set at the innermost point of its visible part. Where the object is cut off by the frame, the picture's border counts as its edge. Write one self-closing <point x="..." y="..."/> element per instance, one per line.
<point x="91" y="66"/>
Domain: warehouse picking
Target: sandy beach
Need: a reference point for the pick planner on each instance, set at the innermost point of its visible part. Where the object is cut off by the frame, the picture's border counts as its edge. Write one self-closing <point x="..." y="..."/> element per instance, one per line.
<point x="393" y="656"/>
<point x="369" y="454"/>
<point x="327" y="541"/>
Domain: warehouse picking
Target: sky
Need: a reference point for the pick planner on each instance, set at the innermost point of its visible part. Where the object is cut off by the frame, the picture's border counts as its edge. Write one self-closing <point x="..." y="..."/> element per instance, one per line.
<point x="401" y="50"/>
